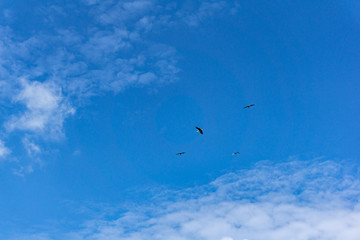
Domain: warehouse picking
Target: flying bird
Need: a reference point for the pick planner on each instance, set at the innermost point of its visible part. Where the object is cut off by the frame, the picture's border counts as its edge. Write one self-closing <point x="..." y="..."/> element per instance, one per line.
<point x="249" y="106"/>
<point x="180" y="153"/>
<point x="199" y="130"/>
<point x="235" y="153"/>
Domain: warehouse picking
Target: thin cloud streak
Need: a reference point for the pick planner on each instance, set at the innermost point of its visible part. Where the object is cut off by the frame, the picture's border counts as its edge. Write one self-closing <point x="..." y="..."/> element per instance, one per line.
<point x="295" y="200"/>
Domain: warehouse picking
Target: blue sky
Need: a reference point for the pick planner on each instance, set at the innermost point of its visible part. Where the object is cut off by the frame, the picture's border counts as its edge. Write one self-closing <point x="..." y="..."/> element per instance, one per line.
<point x="97" y="97"/>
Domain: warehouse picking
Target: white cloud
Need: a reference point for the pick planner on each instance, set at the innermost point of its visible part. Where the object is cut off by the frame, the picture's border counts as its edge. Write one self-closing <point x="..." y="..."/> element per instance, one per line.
<point x="46" y="108"/>
<point x="38" y="96"/>
<point x="206" y="10"/>
<point x="104" y="43"/>
<point x="3" y="149"/>
<point x="21" y="171"/>
<point x="295" y="200"/>
<point x="30" y="146"/>
<point x="121" y="13"/>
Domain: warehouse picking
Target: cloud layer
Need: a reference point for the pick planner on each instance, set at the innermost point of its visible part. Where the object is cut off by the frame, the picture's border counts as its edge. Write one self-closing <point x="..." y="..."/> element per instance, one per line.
<point x="45" y="75"/>
<point x="294" y="200"/>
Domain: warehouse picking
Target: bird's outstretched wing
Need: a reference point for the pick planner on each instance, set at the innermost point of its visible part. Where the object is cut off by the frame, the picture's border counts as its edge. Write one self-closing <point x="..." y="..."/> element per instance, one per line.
<point x="180" y="153"/>
<point x="199" y="130"/>
<point x="235" y="153"/>
<point x="248" y="106"/>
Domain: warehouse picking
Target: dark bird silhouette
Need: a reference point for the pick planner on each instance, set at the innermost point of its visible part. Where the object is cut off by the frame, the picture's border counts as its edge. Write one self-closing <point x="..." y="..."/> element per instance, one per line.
<point x="235" y="153"/>
<point x="199" y="130"/>
<point x="249" y="106"/>
<point x="180" y="153"/>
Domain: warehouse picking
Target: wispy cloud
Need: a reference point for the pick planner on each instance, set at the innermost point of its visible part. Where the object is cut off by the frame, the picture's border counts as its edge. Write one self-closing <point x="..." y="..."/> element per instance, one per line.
<point x="27" y="165"/>
<point x="31" y="147"/>
<point x="295" y="200"/>
<point x="120" y="13"/>
<point x="205" y="10"/>
<point x="3" y="149"/>
<point x="81" y="61"/>
<point x="22" y="170"/>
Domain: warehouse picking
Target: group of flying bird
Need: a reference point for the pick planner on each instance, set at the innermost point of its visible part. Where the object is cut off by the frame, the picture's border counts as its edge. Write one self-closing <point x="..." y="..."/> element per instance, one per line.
<point x="201" y="131"/>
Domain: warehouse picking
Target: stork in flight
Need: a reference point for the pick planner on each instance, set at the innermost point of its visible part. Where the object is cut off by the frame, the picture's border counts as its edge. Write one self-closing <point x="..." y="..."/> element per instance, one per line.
<point x="199" y="130"/>
<point x="249" y="106"/>
<point x="235" y="153"/>
<point x="180" y="153"/>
